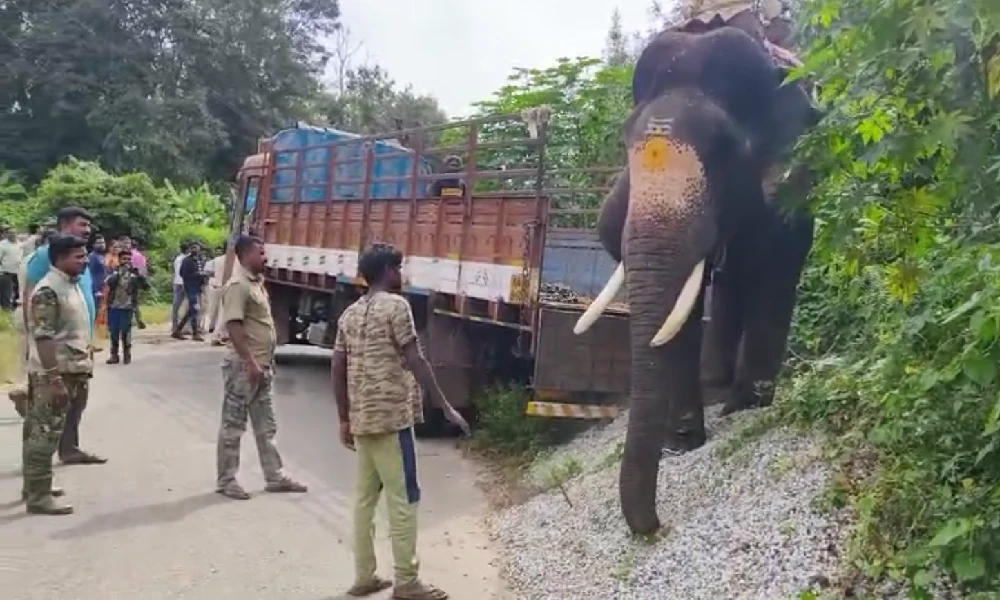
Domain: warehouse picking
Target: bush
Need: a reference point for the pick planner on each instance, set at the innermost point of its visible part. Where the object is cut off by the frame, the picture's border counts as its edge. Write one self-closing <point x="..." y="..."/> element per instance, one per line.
<point x="503" y="426"/>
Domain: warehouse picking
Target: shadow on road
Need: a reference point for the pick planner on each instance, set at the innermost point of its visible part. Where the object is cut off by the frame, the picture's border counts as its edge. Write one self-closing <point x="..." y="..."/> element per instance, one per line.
<point x="140" y="516"/>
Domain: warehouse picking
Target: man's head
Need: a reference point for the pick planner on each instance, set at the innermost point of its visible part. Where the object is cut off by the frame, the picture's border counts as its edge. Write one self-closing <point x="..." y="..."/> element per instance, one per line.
<point x="250" y="252"/>
<point x="184" y="247"/>
<point x="74" y="221"/>
<point x="68" y="253"/>
<point x="381" y="266"/>
<point x="453" y="164"/>
<point x="194" y="249"/>
<point x="124" y="258"/>
<point x="99" y="244"/>
<point x="125" y="242"/>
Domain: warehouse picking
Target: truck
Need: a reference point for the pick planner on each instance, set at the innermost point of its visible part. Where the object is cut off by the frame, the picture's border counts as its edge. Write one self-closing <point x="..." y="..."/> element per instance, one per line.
<point x="496" y="272"/>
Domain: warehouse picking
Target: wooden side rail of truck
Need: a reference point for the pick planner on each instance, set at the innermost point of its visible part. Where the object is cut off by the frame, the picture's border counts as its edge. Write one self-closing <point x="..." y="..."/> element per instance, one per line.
<point x="496" y="272"/>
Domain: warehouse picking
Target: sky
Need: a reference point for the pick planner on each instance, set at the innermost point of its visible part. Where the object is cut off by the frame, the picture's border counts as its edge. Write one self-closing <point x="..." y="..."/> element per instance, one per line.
<point x="461" y="51"/>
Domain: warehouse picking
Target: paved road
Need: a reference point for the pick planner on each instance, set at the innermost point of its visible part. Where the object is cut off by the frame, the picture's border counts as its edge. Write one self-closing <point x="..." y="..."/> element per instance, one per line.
<point x="148" y="526"/>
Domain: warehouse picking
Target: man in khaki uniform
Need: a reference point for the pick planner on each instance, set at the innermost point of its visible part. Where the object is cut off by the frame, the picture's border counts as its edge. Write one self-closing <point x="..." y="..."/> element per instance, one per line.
<point x="376" y="357"/>
<point x="248" y="373"/>
<point x="60" y="364"/>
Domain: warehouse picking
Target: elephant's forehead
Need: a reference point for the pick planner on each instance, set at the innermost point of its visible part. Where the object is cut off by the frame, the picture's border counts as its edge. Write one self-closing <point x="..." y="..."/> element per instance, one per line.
<point x="666" y="177"/>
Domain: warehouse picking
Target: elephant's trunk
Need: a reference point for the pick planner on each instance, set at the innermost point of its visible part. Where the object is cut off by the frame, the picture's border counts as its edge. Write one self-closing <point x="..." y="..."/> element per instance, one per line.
<point x="669" y="232"/>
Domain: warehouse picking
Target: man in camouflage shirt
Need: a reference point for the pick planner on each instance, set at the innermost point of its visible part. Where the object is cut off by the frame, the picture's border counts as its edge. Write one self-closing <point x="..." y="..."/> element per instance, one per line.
<point x="123" y="300"/>
<point x="375" y="358"/>
<point x="248" y="375"/>
<point x="60" y="364"/>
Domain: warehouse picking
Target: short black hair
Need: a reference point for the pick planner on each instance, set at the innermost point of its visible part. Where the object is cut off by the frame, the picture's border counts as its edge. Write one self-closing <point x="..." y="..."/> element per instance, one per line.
<point x="244" y="243"/>
<point x="61" y="245"/>
<point x="127" y="253"/>
<point x="68" y="214"/>
<point x="376" y="260"/>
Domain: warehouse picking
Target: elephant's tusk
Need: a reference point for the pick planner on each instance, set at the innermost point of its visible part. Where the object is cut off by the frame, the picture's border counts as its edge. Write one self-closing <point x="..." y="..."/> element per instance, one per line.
<point x="682" y="309"/>
<point x="593" y="312"/>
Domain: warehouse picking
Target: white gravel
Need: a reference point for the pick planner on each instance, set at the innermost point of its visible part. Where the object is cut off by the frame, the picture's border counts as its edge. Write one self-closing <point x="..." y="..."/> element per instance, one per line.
<point x="736" y="528"/>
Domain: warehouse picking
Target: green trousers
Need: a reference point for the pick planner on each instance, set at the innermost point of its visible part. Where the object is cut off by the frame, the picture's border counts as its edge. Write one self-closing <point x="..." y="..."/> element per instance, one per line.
<point x="43" y="425"/>
<point x="387" y="462"/>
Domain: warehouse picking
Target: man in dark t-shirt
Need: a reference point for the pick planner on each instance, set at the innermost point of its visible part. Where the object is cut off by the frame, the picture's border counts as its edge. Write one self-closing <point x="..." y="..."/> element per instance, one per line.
<point x="450" y="187"/>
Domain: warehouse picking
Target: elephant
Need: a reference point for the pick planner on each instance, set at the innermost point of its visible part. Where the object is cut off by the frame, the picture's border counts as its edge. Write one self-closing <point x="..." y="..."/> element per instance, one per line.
<point x="697" y="238"/>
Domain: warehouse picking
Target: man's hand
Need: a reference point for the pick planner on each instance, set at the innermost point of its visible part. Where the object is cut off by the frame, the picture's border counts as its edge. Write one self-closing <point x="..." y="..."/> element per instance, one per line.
<point x="60" y="395"/>
<point x="457" y="419"/>
<point x="254" y="373"/>
<point x="346" y="437"/>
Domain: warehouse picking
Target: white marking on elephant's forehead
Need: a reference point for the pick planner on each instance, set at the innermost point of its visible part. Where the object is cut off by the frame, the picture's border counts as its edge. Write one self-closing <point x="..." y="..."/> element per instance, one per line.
<point x="666" y="180"/>
<point x="659" y="126"/>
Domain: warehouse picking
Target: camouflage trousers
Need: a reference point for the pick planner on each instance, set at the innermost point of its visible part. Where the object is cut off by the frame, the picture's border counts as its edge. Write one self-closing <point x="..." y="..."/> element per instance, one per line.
<point x="244" y="400"/>
<point x="43" y="425"/>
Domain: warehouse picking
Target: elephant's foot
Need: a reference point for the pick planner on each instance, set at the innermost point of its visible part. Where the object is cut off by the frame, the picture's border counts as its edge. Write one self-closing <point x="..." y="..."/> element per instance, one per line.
<point x="712" y="394"/>
<point x="684" y="440"/>
<point x="760" y="394"/>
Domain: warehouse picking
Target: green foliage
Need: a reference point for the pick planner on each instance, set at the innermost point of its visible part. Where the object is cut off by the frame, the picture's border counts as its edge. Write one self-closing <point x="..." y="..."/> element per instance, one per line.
<point x="897" y="335"/>
<point x="588" y="100"/>
<point x="178" y="90"/>
<point x="121" y="204"/>
<point x="160" y="218"/>
<point x="503" y="426"/>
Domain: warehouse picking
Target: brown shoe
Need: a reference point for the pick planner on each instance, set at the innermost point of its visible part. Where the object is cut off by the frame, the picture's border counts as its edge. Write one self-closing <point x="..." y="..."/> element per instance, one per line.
<point x="233" y="491"/>
<point x="368" y="588"/>
<point x="286" y="485"/>
<point x="79" y="457"/>
<point x="418" y="591"/>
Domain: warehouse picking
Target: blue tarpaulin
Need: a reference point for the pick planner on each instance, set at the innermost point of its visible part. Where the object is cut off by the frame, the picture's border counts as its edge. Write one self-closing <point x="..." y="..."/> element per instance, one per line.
<point x="315" y="169"/>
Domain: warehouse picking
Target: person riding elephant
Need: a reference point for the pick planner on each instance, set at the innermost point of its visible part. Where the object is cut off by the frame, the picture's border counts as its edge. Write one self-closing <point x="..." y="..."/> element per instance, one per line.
<point x="697" y="235"/>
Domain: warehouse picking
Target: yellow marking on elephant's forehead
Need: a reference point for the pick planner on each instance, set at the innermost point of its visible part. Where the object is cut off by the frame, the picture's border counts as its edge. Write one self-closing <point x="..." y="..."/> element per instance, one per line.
<point x="666" y="177"/>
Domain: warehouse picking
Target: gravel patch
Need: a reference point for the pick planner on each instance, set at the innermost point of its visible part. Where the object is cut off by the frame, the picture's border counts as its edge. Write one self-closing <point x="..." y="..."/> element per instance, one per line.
<point x="739" y="528"/>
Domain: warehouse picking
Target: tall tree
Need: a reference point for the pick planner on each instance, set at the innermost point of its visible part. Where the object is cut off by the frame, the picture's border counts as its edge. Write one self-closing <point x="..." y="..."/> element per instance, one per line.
<point x="616" y="48"/>
<point x="178" y="88"/>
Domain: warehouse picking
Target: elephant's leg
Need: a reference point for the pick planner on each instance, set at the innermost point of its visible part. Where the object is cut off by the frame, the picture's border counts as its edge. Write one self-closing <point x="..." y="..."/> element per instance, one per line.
<point x="769" y="305"/>
<point x="721" y="340"/>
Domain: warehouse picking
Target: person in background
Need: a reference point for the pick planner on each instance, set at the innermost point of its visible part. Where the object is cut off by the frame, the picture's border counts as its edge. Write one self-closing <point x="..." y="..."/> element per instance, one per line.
<point x="376" y="357"/>
<point x="178" y="287"/>
<point x="72" y="221"/>
<point x="60" y="368"/>
<point x="248" y="377"/>
<point x="453" y="187"/>
<point x="19" y="393"/>
<point x="123" y="297"/>
<point x="139" y="262"/>
<point x="98" y="270"/>
<point x="193" y="281"/>
<point x="215" y="270"/>
<point x="202" y="259"/>
<point x="110" y="257"/>
<point x="10" y="261"/>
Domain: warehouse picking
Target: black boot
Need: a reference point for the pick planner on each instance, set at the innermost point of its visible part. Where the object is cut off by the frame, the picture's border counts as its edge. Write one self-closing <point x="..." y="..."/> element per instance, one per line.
<point x="127" y="354"/>
<point x="113" y="359"/>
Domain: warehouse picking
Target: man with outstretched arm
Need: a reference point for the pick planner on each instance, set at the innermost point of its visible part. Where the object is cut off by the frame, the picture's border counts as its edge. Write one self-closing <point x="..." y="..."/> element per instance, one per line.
<point x="59" y="368"/>
<point x="375" y="359"/>
<point x="248" y="375"/>
<point x="73" y="221"/>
